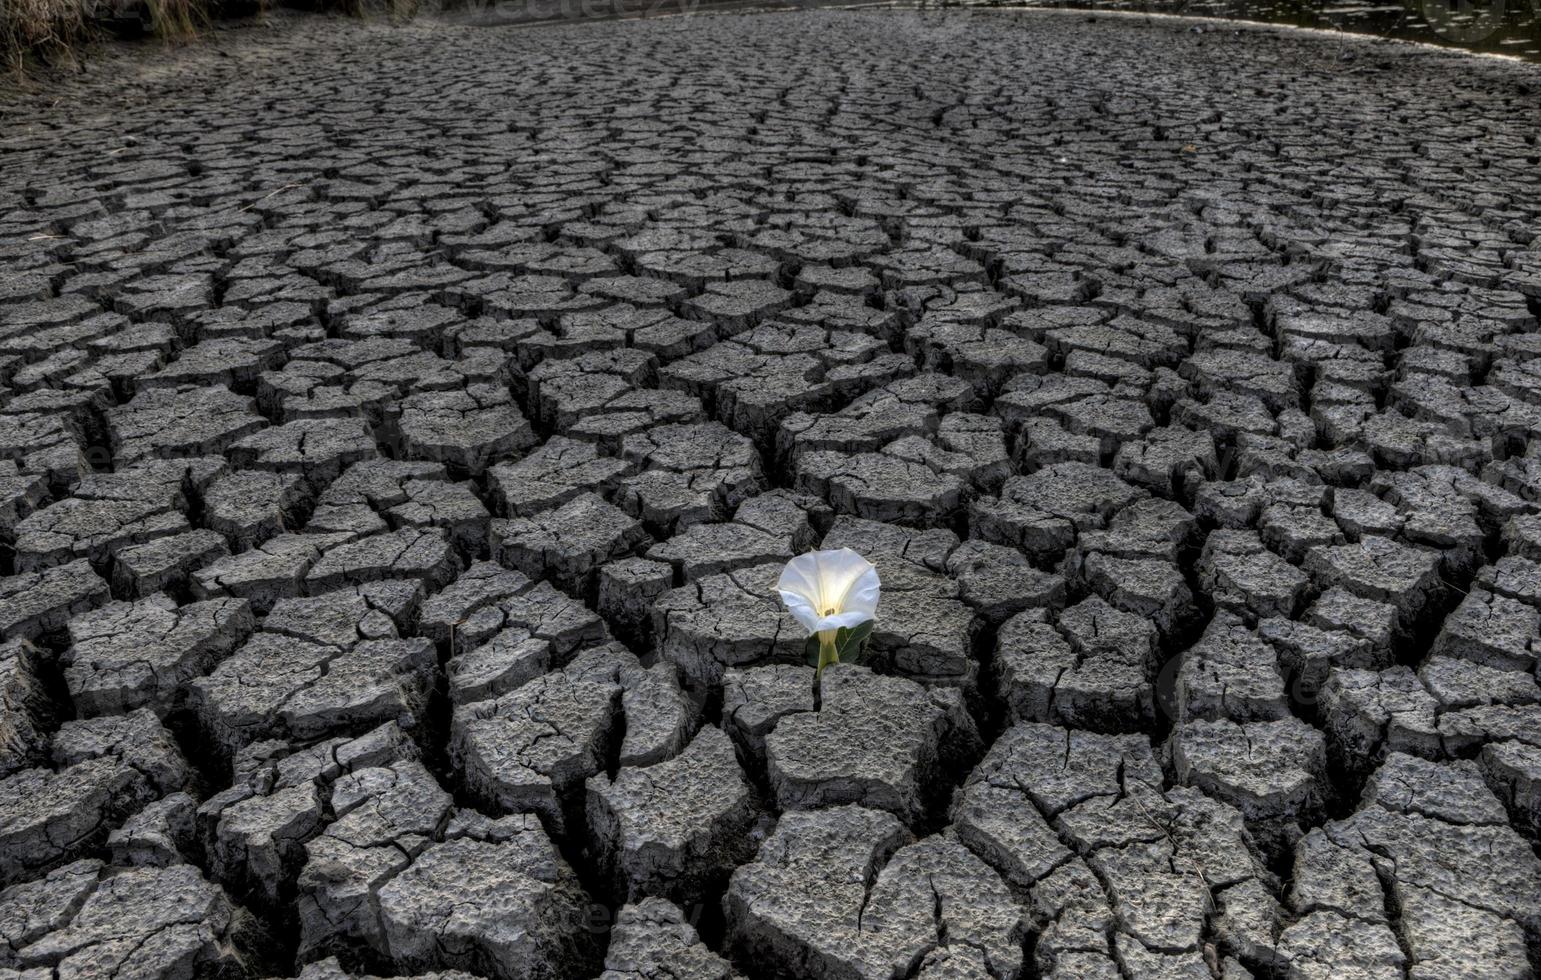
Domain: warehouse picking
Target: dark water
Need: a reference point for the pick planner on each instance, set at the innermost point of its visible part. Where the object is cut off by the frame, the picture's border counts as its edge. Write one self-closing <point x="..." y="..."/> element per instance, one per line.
<point x="1510" y="27"/>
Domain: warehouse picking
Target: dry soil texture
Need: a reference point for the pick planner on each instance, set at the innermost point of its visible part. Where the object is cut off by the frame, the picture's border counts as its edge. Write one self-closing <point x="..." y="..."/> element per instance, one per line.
<point x="401" y="432"/>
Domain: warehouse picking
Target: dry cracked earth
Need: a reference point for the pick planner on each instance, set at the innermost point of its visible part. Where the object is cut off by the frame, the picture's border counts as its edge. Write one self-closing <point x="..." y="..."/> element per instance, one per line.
<point x="401" y="432"/>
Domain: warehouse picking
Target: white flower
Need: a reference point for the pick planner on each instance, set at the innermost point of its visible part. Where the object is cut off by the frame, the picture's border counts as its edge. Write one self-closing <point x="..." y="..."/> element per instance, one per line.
<point x="828" y="590"/>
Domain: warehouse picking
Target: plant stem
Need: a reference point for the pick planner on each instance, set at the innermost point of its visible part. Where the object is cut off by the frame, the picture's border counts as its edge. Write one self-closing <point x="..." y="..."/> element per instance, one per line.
<point x="827" y="653"/>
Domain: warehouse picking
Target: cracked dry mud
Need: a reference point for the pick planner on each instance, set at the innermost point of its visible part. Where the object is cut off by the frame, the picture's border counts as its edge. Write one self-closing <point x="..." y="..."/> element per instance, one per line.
<point x="402" y="430"/>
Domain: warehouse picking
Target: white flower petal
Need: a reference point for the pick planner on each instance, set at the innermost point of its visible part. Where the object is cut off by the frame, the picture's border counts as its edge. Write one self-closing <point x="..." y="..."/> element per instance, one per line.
<point x="801" y="576"/>
<point x="839" y="570"/>
<point x="845" y="620"/>
<point x="801" y="609"/>
<point x="829" y="589"/>
<point x="864" y="593"/>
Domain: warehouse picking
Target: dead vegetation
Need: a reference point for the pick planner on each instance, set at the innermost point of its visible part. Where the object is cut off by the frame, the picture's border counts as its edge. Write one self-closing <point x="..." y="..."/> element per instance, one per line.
<point x="177" y="20"/>
<point x="38" y="34"/>
<point x="50" y="30"/>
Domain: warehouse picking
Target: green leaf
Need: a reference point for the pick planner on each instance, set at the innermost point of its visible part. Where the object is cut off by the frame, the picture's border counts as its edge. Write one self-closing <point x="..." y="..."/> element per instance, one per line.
<point x="852" y="643"/>
<point x="811" y="650"/>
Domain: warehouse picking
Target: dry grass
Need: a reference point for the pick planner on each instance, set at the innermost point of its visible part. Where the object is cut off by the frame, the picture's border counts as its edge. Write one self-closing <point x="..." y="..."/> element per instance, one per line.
<point x="50" y="30"/>
<point x="42" y="33"/>
<point x="177" y="20"/>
